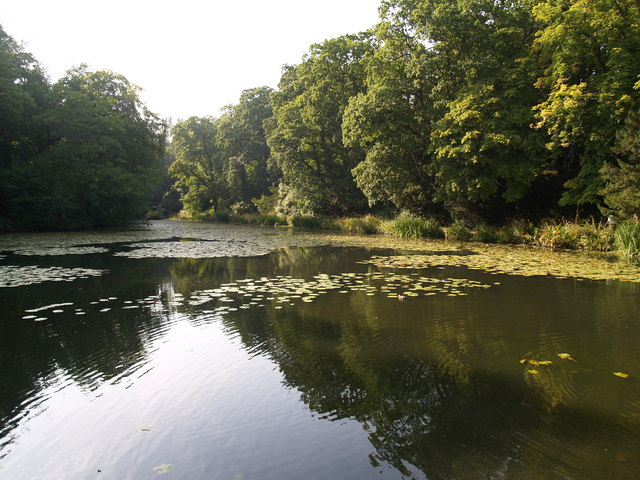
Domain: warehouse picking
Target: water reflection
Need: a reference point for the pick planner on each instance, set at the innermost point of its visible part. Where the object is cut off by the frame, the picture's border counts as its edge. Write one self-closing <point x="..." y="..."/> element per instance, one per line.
<point x="436" y="381"/>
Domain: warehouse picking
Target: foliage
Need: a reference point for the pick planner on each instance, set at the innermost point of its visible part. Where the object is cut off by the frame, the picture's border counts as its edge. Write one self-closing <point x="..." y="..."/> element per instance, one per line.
<point x="458" y="231"/>
<point x="306" y="221"/>
<point x="410" y="226"/>
<point x="575" y="236"/>
<point x="627" y="238"/>
<point x="507" y="234"/>
<point x="622" y="179"/>
<point x="84" y="152"/>
<point x="485" y="234"/>
<point x="365" y="225"/>
<point x="305" y="134"/>
<point x="588" y="49"/>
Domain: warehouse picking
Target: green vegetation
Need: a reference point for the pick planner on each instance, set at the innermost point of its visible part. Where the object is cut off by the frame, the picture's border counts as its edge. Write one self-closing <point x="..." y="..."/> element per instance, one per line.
<point x="627" y="238"/>
<point x="409" y="226"/>
<point x="470" y="112"/>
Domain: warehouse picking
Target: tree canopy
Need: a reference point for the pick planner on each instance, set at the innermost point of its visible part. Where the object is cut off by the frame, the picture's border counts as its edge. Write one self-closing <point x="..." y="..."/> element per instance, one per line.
<point x="472" y="110"/>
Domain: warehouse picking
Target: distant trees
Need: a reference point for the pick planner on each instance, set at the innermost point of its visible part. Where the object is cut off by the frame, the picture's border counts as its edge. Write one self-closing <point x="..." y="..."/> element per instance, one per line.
<point x="223" y="163"/>
<point x="76" y="154"/>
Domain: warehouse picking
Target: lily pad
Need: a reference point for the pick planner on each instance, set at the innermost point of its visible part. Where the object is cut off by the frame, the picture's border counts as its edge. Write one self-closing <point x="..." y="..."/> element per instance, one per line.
<point x="164" y="468"/>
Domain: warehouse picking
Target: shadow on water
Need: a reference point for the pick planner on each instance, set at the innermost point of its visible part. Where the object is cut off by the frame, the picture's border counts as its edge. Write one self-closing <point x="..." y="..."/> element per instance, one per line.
<point x="436" y="382"/>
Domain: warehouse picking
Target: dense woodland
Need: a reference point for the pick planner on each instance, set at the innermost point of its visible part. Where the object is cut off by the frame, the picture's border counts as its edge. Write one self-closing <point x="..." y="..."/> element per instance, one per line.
<point x="472" y="110"/>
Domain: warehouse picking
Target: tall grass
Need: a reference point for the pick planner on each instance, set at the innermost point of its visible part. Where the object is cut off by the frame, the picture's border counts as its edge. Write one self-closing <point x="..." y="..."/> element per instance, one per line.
<point x="575" y="236"/>
<point x="409" y="226"/>
<point x="366" y="225"/>
<point x="627" y="238"/>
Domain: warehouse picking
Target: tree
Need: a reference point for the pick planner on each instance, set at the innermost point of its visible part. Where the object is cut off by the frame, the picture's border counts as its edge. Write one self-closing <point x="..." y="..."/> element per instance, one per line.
<point x="391" y="122"/>
<point x="622" y="178"/>
<point x="589" y="52"/>
<point x="199" y="166"/>
<point x="98" y="151"/>
<point x="24" y="97"/>
<point x="243" y="145"/>
<point x="305" y="135"/>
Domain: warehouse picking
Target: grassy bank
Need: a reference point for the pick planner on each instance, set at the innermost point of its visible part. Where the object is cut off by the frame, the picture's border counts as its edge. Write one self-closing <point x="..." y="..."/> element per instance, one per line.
<point x="562" y="235"/>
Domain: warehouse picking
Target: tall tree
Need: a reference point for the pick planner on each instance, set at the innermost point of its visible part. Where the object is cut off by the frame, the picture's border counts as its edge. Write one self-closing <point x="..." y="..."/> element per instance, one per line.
<point x="589" y="51"/>
<point x="305" y="135"/>
<point x="96" y="160"/>
<point x="24" y="97"/>
<point x="242" y="141"/>
<point x="199" y="164"/>
<point x="392" y="121"/>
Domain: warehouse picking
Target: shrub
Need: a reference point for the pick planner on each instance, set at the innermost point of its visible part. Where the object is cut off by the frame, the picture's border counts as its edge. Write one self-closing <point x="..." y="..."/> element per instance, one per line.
<point x="586" y="236"/>
<point x="458" y="231"/>
<point x="272" y="219"/>
<point x="507" y="234"/>
<point x="408" y="226"/>
<point x="366" y="225"/>
<point x="305" y="221"/>
<point x="221" y="216"/>
<point x="627" y="238"/>
<point x="485" y="234"/>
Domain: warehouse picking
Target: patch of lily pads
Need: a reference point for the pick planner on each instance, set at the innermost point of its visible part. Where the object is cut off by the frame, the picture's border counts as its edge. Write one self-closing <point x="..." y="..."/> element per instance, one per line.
<point x="279" y="291"/>
<point x="286" y="290"/>
<point x="57" y="250"/>
<point x="196" y="249"/>
<point x="18" y="276"/>
<point x="516" y="261"/>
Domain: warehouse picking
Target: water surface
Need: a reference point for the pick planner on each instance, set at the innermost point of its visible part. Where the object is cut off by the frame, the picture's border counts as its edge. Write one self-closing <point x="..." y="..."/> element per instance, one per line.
<point x="306" y="362"/>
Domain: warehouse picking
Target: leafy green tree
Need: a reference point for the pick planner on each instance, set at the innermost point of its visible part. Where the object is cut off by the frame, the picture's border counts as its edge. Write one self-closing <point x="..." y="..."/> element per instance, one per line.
<point x="305" y="135"/>
<point x="391" y="121"/>
<point x="447" y="113"/>
<point x="24" y="96"/>
<point x="100" y="150"/>
<point x="199" y="164"/>
<point x="622" y="179"/>
<point x="242" y="142"/>
<point x="589" y="52"/>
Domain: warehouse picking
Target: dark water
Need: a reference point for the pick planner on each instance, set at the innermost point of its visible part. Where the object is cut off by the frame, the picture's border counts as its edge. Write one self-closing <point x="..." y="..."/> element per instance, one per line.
<point x="347" y="385"/>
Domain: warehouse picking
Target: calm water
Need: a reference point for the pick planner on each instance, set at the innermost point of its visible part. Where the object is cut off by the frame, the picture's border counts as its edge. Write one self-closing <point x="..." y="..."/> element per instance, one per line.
<point x="304" y="364"/>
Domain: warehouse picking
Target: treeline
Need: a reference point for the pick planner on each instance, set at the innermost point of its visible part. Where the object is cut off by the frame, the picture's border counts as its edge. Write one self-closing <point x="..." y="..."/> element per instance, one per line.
<point x="79" y="153"/>
<point x="463" y="110"/>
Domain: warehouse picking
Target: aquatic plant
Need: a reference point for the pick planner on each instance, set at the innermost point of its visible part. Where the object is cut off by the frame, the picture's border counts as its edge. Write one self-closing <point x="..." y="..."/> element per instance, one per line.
<point x="366" y="225"/>
<point x="627" y="238"/>
<point x="409" y="226"/>
<point x="575" y="236"/>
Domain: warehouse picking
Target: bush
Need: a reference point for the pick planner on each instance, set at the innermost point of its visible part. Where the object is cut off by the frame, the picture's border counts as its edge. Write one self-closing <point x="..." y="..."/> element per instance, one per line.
<point x="221" y="216"/>
<point x="458" y="231"/>
<point x="366" y="225"/>
<point x="272" y="219"/>
<point x="576" y="236"/>
<point x="507" y="234"/>
<point x="485" y="234"/>
<point x="627" y="238"/>
<point x="408" y="226"/>
<point x="307" y="222"/>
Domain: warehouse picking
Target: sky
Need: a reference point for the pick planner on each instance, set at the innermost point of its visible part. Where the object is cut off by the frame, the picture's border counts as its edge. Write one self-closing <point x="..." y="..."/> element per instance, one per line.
<point x="190" y="57"/>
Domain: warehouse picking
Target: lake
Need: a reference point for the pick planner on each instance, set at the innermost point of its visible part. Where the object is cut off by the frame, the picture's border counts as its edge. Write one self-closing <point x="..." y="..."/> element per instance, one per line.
<point x="205" y="351"/>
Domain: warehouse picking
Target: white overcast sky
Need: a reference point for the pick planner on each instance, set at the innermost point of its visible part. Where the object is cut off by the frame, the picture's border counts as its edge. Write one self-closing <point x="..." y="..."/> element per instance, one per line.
<point x="190" y="57"/>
